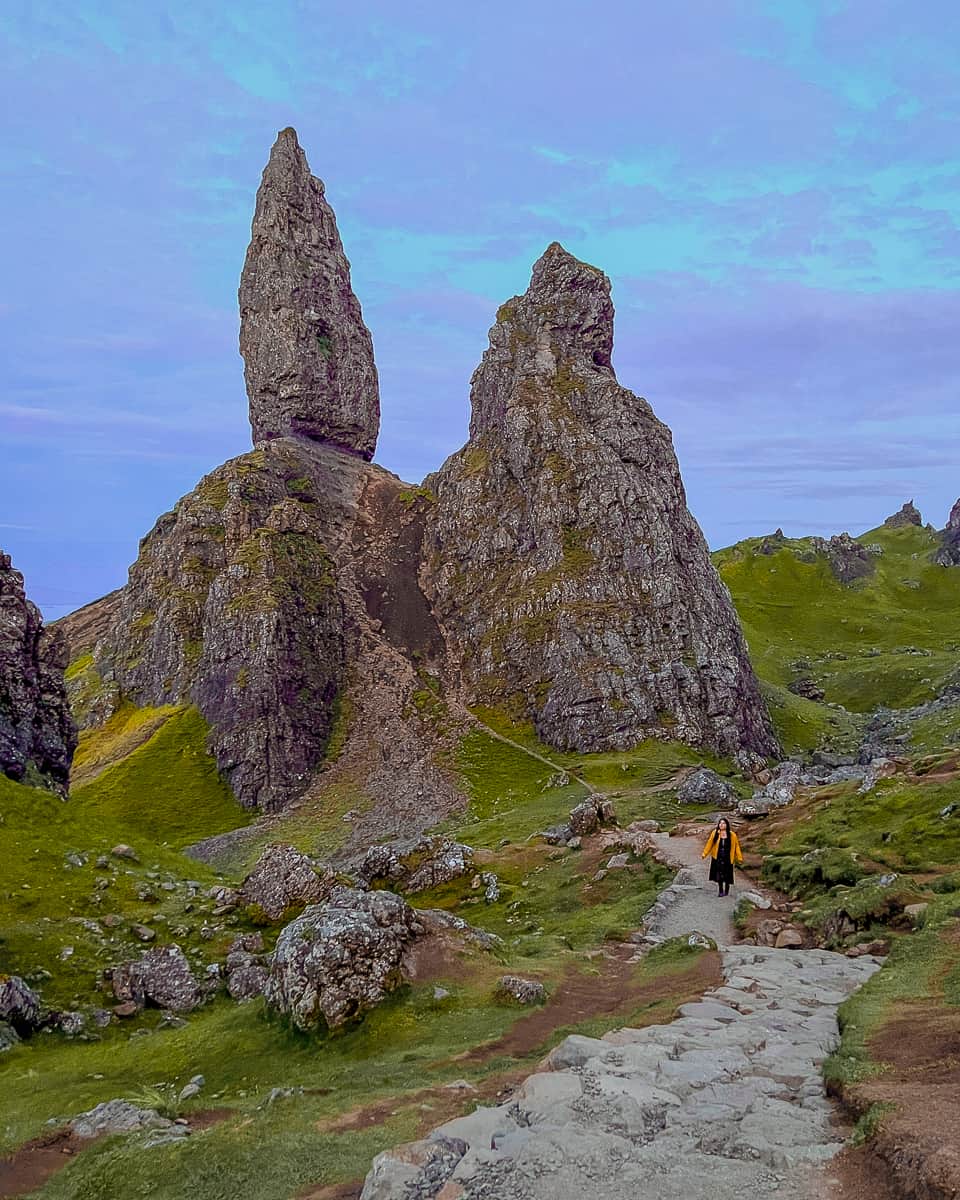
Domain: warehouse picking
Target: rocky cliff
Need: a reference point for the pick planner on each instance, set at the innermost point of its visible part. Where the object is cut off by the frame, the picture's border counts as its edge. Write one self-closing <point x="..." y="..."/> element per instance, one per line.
<point x="308" y="357"/>
<point x="551" y="567"/>
<point x="37" y="733"/>
<point x="570" y="580"/>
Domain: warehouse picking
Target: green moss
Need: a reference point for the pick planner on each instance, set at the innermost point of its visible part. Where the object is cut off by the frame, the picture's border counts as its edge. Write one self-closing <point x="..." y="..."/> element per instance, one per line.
<point x="474" y="461"/>
<point x="411" y="496"/>
<point x="577" y="558"/>
<point x="214" y="490"/>
<point x="78" y="667"/>
<point x="565" y="381"/>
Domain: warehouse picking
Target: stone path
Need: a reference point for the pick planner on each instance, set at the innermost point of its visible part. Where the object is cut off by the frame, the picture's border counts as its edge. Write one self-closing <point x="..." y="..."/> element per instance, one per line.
<point x="725" y="1102"/>
<point x="691" y="901"/>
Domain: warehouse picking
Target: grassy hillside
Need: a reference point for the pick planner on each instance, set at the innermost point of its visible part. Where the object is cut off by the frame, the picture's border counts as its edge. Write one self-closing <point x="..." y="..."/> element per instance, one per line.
<point x="891" y="639"/>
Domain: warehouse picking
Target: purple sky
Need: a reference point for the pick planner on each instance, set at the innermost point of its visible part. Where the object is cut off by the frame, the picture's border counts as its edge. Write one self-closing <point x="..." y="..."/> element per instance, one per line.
<point x="774" y="189"/>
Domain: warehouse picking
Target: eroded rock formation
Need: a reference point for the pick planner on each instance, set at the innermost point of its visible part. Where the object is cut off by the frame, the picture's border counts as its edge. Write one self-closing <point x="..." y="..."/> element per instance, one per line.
<point x="37" y="732"/>
<point x="571" y="581"/>
<point x="308" y="357"/>
<point x="909" y="514"/>
<point x="948" y="553"/>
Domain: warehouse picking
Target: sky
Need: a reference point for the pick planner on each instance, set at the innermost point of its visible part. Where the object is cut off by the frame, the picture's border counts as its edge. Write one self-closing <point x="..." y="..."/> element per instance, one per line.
<point x="772" y="187"/>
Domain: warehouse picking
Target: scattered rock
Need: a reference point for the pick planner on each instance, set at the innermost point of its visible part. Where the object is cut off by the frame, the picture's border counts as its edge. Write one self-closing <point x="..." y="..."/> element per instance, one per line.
<point x="491" y="886"/>
<point x="520" y="991"/>
<point x="915" y="911"/>
<point x="618" y="861"/>
<point x="789" y="939"/>
<point x="124" y="851"/>
<point x="340" y="958"/>
<point x="704" y="786"/>
<point x="8" y="1037"/>
<point x="755" y="899"/>
<point x="143" y="933"/>
<point x="806" y="687"/>
<point x="71" y="1024"/>
<point x="284" y="878"/>
<point x="192" y="1089"/>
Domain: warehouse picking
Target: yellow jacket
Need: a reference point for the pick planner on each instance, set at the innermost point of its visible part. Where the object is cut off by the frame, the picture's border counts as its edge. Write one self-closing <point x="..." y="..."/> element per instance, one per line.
<point x="736" y="854"/>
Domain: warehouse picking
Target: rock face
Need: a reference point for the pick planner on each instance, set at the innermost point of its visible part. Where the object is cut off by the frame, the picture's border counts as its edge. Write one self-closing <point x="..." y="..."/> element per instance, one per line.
<point x="571" y="582"/>
<point x="19" y="1005"/>
<point x="308" y="357"/>
<point x="338" y="959"/>
<point x="948" y="554"/>
<point x="37" y="733"/>
<point x="908" y="515"/>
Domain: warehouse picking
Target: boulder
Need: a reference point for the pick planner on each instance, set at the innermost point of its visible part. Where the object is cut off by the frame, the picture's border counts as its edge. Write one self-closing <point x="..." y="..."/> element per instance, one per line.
<point x="162" y="977"/>
<point x="705" y="786"/>
<point x="789" y="939"/>
<point x="19" y="1005"/>
<point x="116" y="1116"/>
<point x="247" y="969"/>
<point x="806" y="687"/>
<point x="284" y="878"/>
<point x="520" y="991"/>
<point x="340" y="958"/>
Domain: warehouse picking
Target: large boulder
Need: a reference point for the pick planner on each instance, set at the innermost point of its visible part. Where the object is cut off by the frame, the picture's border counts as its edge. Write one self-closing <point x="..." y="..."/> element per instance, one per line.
<point x="161" y="976"/>
<point x="37" y="733"/>
<point x="284" y="878"/>
<point x="247" y="968"/>
<point x="704" y="786"/>
<point x="416" y="864"/>
<point x="308" y="357"/>
<point x="340" y="958"/>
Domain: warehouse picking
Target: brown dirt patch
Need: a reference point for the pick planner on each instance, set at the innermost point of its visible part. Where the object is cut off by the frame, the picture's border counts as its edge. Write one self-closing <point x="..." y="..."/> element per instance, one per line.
<point x="918" y="1140"/>
<point x="28" y="1168"/>
<point x="617" y="993"/>
<point x="336" y="1191"/>
<point x="857" y="1174"/>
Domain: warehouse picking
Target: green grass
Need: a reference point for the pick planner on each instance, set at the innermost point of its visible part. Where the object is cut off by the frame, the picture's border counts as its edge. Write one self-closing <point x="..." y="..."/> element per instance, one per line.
<point x="795" y="611"/>
<point x="159" y="798"/>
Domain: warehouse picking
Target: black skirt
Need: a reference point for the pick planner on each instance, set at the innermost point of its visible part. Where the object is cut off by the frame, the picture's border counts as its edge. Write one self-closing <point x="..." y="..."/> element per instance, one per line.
<point x="721" y="868"/>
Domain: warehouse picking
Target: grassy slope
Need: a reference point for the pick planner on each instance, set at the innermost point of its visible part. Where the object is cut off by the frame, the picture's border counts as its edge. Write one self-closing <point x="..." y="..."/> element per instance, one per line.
<point x="552" y="917"/>
<point x="855" y="640"/>
<point x="161" y="797"/>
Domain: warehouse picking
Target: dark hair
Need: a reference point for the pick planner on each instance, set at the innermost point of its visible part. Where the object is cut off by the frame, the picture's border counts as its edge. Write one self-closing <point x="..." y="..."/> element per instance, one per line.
<point x="724" y="821"/>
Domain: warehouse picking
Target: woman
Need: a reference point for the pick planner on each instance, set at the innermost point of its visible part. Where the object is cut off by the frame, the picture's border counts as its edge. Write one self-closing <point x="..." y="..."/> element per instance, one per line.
<point x="724" y="847"/>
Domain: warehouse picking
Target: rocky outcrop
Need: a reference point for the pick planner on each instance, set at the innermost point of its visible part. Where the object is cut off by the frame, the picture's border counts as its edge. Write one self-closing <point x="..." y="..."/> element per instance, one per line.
<point x="341" y="958"/>
<point x="909" y="514"/>
<point x="284" y="878"/>
<point x="416" y="864"/>
<point x="848" y="559"/>
<point x="948" y="552"/>
<point x="247" y="967"/>
<point x="37" y="733"/>
<point x="571" y="582"/>
<point x="308" y="357"/>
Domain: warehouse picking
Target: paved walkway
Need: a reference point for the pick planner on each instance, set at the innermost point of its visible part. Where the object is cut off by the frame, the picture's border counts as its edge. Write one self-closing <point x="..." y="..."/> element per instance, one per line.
<point x="725" y="1102"/>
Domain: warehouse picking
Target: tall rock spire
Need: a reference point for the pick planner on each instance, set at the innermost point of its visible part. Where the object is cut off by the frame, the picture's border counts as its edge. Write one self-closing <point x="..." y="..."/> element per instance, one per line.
<point x="572" y="583"/>
<point x="308" y="357"/>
